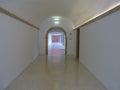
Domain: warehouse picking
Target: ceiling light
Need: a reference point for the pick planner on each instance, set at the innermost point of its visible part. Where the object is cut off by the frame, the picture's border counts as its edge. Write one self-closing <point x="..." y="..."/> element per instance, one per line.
<point x="56" y="18"/>
<point x="56" y="22"/>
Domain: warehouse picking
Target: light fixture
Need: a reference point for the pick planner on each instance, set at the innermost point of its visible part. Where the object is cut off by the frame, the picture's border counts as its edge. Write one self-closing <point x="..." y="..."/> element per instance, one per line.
<point x="56" y="18"/>
<point x="56" y="22"/>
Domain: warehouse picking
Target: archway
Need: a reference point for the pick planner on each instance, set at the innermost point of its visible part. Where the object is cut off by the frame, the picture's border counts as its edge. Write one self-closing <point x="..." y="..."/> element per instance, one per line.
<point x="47" y="38"/>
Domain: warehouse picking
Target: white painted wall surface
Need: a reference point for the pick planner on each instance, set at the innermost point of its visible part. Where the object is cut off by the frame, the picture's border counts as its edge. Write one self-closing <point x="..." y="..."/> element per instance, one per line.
<point x="66" y="25"/>
<point x="70" y="43"/>
<point x="100" y="50"/>
<point x="18" y="48"/>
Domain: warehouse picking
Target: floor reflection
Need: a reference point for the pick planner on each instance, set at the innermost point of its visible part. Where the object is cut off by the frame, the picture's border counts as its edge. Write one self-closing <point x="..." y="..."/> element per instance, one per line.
<point x="56" y="73"/>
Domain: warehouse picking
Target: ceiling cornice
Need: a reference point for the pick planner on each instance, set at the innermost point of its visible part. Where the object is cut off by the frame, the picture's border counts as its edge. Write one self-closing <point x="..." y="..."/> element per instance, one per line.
<point x="6" y="12"/>
<point x="101" y="15"/>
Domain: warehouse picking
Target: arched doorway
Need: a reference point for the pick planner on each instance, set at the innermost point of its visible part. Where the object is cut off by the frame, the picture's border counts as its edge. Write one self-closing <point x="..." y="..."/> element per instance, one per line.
<point x="52" y="36"/>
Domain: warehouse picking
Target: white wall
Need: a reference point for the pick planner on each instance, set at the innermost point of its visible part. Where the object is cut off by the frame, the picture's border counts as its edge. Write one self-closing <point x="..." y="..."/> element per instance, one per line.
<point x="100" y="50"/>
<point x="66" y="25"/>
<point x="18" y="48"/>
<point x="70" y="43"/>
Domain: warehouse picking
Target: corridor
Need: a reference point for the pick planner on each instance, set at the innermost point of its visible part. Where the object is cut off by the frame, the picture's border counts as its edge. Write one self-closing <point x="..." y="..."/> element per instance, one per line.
<point x="56" y="73"/>
<point x="56" y="49"/>
<point x="41" y="39"/>
<point x="56" y="42"/>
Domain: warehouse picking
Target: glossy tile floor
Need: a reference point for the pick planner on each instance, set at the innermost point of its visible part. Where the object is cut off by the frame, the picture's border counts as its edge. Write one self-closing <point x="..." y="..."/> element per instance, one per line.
<point x="56" y="73"/>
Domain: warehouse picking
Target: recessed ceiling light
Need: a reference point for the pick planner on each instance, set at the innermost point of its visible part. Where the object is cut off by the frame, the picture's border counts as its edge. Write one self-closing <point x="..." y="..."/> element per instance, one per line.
<point x="56" y="18"/>
<point x="56" y="22"/>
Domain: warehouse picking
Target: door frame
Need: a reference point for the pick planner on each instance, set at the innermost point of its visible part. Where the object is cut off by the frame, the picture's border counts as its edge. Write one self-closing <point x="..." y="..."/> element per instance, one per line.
<point x="77" y="43"/>
<point x="46" y="36"/>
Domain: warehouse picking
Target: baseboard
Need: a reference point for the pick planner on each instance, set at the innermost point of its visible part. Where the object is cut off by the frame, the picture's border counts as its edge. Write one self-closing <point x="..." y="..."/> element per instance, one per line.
<point x="80" y="61"/>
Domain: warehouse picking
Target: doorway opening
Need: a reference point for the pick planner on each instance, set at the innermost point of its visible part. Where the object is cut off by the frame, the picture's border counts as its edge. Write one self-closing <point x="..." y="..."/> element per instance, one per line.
<point x="56" y="42"/>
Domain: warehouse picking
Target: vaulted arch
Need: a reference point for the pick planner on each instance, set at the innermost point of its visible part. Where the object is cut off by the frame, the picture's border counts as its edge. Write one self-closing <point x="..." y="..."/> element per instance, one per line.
<point x="61" y="29"/>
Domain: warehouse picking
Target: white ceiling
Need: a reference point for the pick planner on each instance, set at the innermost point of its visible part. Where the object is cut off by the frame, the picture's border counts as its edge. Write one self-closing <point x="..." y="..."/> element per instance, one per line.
<point x="36" y="11"/>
